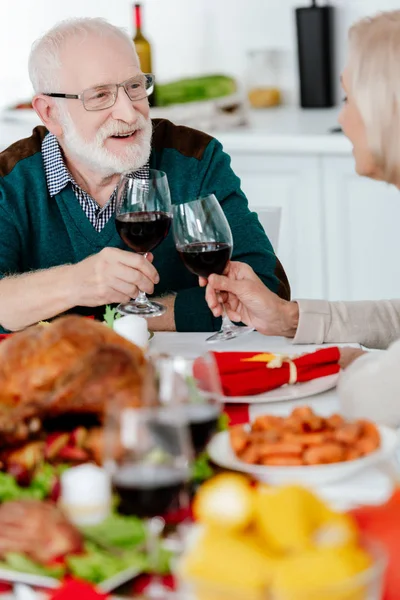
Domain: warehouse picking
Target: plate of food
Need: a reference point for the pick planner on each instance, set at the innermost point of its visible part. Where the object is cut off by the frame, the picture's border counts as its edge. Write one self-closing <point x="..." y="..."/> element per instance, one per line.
<point x="297" y="391"/>
<point x="40" y="547"/>
<point x="263" y="377"/>
<point x="303" y="447"/>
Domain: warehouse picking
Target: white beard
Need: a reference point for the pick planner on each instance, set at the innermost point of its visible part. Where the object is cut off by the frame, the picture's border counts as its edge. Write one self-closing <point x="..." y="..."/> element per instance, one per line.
<point x="96" y="157"/>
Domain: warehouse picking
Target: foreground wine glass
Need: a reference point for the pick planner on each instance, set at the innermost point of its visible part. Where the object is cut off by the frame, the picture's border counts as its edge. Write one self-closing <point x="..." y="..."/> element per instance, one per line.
<point x="203" y="240"/>
<point x="148" y="455"/>
<point x="143" y="219"/>
<point x="193" y="388"/>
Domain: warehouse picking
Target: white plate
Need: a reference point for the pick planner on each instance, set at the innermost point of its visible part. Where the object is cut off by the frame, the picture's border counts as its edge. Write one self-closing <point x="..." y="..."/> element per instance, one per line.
<point x="8" y="575"/>
<point x="222" y="454"/>
<point x="288" y="392"/>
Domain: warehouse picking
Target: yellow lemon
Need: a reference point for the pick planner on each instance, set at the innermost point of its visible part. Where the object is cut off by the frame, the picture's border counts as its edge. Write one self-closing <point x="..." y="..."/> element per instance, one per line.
<point x="321" y="573"/>
<point x="336" y="531"/>
<point x="286" y="517"/>
<point x="227" y="560"/>
<point x="226" y="501"/>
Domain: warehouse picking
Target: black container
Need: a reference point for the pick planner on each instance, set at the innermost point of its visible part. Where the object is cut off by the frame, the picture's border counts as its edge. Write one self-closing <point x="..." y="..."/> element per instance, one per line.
<point x="314" y="26"/>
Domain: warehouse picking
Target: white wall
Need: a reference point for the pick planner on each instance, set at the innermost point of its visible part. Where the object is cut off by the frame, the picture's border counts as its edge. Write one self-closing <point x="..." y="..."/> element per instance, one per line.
<point x="189" y="36"/>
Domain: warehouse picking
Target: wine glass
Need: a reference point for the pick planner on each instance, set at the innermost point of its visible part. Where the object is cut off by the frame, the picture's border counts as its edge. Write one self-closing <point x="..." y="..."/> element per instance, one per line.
<point x="194" y="388"/>
<point x="203" y="240"/>
<point x="148" y="455"/>
<point x="143" y="219"/>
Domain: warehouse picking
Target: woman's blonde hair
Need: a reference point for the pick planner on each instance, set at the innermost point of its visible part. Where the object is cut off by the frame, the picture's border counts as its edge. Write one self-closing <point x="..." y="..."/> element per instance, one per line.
<point x="374" y="78"/>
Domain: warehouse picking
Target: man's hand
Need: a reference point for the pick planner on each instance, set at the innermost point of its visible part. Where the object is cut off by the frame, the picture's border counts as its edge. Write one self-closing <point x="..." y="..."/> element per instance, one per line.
<point x="112" y="275"/>
<point x="349" y="355"/>
<point x="248" y="300"/>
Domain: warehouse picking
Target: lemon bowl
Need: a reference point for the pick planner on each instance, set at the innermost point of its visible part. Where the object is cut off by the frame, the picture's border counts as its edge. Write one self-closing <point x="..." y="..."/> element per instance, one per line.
<point x="365" y="585"/>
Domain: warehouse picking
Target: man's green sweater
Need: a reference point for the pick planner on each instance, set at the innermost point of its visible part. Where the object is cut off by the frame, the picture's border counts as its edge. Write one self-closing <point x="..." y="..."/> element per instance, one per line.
<point x="38" y="231"/>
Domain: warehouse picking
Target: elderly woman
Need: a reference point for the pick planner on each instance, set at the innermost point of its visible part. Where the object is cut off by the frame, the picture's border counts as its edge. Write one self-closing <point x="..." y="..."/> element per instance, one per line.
<point x="371" y="120"/>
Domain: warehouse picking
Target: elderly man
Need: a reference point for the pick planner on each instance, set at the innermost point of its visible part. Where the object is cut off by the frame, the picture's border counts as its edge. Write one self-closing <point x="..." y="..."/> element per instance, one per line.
<point x="59" y="248"/>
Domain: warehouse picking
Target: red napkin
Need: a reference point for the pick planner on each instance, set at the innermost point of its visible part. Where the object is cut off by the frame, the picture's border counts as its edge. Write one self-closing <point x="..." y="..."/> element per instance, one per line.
<point x="241" y="377"/>
<point x="77" y="590"/>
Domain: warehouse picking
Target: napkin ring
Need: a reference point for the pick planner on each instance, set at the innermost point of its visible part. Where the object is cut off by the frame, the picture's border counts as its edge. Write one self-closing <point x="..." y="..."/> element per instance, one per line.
<point x="278" y="361"/>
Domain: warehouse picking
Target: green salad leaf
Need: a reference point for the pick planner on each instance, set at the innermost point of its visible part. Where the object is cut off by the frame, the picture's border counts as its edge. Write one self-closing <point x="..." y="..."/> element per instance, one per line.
<point x="20" y="562"/>
<point x="223" y="422"/>
<point x="110" y="315"/>
<point x="39" y="488"/>
<point x="117" y="530"/>
<point x="96" y="564"/>
<point x="201" y="470"/>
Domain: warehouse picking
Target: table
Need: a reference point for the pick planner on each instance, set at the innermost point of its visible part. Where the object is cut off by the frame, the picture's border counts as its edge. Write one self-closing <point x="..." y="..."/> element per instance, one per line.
<point x="192" y="345"/>
<point x="372" y="486"/>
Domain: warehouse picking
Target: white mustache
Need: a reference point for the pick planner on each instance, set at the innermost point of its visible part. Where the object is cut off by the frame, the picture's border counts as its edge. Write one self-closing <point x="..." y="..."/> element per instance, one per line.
<point x="120" y="128"/>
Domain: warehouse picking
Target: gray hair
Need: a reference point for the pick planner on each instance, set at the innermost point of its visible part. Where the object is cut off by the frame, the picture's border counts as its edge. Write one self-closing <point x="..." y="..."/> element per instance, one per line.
<point x="374" y="81"/>
<point x="45" y="61"/>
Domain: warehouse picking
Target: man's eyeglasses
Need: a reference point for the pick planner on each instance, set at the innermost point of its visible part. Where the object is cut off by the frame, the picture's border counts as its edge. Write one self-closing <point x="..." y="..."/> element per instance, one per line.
<point x="105" y="96"/>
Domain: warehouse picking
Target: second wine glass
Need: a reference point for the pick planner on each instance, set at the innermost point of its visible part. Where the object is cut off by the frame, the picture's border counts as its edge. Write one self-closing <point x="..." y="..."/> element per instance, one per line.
<point x="143" y="219"/>
<point x="204" y="241"/>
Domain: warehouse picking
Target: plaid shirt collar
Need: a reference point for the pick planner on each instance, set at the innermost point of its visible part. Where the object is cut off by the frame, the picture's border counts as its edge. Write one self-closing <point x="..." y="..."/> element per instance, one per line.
<point x="57" y="174"/>
<point x="58" y="177"/>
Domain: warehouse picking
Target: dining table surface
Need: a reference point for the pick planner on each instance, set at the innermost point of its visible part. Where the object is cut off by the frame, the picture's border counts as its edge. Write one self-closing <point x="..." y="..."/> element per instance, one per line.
<point x="193" y="344"/>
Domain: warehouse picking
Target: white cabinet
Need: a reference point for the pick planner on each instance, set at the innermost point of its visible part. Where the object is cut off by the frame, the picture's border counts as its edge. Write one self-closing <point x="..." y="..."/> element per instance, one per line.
<point x="293" y="183"/>
<point x="362" y="234"/>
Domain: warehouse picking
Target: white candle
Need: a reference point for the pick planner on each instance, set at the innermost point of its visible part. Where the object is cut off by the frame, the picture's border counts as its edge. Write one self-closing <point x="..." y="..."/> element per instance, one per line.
<point x="86" y="494"/>
<point x="134" y="329"/>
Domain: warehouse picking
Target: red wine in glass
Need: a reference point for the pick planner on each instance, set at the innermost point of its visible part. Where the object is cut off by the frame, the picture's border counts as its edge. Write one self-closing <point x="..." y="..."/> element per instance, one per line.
<point x="203" y="423"/>
<point x="205" y="258"/>
<point x="143" y="231"/>
<point x="143" y="219"/>
<point x="146" y="490"/>
<point x="204" y="240"/>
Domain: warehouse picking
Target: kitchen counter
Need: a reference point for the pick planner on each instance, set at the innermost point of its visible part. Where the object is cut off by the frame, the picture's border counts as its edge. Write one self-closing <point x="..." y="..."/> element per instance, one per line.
<point x="288" y="130"/>
<point x="283" y="130"/>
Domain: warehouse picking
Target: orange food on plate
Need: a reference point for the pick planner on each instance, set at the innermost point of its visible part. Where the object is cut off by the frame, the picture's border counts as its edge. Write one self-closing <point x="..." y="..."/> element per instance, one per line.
<point x="303" y="438"/>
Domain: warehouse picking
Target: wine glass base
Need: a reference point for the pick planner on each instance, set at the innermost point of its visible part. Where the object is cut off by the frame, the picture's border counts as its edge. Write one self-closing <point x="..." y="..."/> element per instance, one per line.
<point x="224" y="335"/>
<point x="147" y="310"/>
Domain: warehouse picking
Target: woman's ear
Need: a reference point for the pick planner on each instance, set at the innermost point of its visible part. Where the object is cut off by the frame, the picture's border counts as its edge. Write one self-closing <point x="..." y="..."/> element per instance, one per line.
<point x="47" y="111"/>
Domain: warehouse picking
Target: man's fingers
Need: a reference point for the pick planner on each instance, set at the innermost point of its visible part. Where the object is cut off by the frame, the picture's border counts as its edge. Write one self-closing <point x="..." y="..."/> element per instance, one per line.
<point x="133" y="278"/>
<point x="138" y="262"/>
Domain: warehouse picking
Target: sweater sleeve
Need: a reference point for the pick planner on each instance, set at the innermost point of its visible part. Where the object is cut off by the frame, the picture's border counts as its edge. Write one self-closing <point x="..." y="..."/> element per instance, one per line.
<point x="10" y="241"/>
<point x="374" y="324"/>
<point x="250" y="242"/>
<point x="370" y="387"/>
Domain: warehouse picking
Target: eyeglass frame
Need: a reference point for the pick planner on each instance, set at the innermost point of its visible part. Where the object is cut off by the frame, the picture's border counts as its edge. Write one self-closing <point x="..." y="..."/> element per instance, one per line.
<point x="149" y="77"/>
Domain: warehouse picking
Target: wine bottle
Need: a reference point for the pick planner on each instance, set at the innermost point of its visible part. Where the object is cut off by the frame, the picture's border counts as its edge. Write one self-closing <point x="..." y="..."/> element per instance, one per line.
<point x="143" y="47"/>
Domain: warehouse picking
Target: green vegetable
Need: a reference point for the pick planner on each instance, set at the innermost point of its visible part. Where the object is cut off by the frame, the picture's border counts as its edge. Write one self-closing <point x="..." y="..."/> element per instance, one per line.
<point x="40" y="487"/>
<point x="223" y="422"/>
<point x="118" y="531"/>
<point x="96" y="564"/>
<point x="195" y="89"/>
<point x="201" y="468"/>
<point x="20" y="562"/>
<point x="125" y="535"/>
<point x="110" y="315"/>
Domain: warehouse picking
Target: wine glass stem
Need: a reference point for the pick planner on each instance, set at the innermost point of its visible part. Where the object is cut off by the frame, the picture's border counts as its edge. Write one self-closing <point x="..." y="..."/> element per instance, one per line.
<point x="155" y="590"/>
<point x="227" y="324"/>
<point x="141" y="298"/>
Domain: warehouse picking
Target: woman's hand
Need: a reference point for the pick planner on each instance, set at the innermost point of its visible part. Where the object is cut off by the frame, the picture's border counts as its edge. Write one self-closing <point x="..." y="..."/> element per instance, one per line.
<point x="349" y="355"/>
<point x="249" y="301"/>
